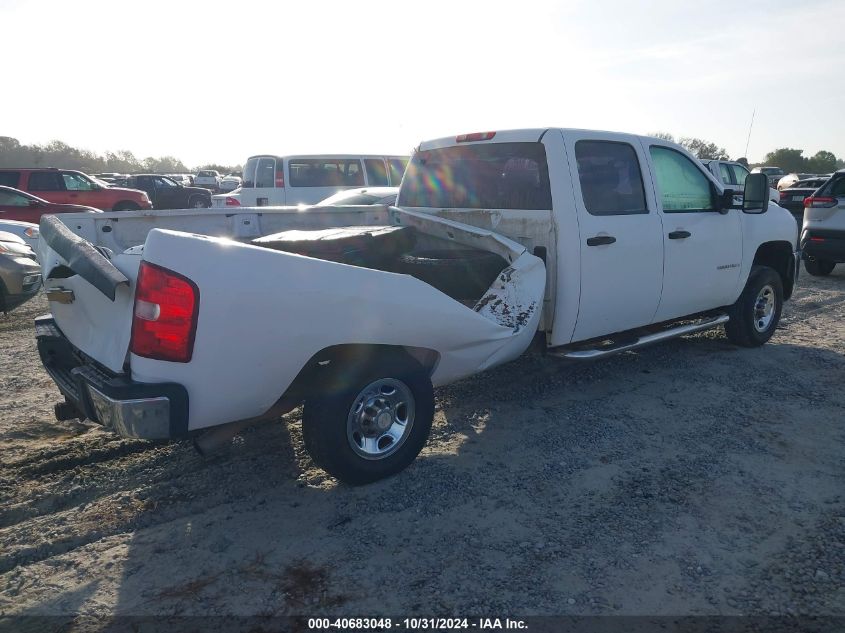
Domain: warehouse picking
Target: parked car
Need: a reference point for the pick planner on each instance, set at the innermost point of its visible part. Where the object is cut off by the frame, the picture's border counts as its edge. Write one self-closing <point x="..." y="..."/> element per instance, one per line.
<point x="823" y="233"/>
<point x="20" y="274"/>
<point x="20" y="205"/>
<point x="111" y="178"/>
<point x="774" y="174"/>
<point x="364" y="195"/>
<point x="358" y="312"/>
<point x="229" y="183"/>
<point x="65" y="186"/>
<point x="792" y="198"/>
<point x="289" y="180"/>
<point x="209" y="179"/>
<point x="27" y="231"/>
<point x="732" y="175"/>
<point x="168" y="194"/>
<point x="185" y="180"/>
<point x="790" y="179"/>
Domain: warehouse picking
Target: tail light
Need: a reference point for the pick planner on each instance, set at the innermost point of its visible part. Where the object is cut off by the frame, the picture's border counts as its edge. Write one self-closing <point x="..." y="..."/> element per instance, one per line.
<point x="784" y="195"/>
<point x="164" y="322"/>
<point x="280" y="178"/>
<point x="475" y="136"/>
<point x="819" y="202"/>
<point x="232" y="202"/>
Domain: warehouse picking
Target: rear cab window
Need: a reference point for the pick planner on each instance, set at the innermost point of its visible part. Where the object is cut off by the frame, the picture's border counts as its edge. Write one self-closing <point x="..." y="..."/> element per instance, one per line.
<point x="478" y="176"/>
<point x="610" y="177"/>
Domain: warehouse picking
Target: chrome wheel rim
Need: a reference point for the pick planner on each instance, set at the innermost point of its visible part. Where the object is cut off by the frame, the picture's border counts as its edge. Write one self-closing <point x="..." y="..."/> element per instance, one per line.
<point x="380" y="419"/>
<point x="764" y="308"/>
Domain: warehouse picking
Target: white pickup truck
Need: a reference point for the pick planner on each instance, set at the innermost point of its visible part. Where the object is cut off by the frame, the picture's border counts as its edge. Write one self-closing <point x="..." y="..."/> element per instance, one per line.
<point x="195" y="322"/>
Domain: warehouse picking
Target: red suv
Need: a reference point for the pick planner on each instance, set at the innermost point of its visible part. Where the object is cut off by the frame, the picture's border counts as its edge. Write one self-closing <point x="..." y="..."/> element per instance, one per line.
<point x="65" y="186"/>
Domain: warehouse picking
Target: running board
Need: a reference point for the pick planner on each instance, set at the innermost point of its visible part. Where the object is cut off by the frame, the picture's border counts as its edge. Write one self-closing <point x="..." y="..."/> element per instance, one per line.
<point x="642" y="341"/>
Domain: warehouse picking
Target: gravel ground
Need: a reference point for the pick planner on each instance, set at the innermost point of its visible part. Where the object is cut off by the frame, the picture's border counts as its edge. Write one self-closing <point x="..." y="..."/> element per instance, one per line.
<point x="688" y="478"/>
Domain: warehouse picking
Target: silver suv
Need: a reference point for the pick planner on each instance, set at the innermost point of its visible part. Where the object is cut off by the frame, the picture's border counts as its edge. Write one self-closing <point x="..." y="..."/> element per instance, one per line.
<point x="823" y="234"/>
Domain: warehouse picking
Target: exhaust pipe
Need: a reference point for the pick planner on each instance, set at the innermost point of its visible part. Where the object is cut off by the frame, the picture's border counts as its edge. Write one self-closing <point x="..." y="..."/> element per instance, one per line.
<point x="219" y="438"/>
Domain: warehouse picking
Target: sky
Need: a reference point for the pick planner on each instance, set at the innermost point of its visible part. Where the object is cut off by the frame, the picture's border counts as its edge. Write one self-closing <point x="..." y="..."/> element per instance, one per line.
<point x="219" y="81"/>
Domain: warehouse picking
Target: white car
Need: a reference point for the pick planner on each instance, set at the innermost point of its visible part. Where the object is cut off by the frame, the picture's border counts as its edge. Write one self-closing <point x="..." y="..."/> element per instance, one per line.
<point x="593" y="242"/>
<point x="27" y="231"/>
<point x="229" y="183"/>
<point x="208" y="179"/>
<point x="270" y="180"/>
<point x="364" y="195"/>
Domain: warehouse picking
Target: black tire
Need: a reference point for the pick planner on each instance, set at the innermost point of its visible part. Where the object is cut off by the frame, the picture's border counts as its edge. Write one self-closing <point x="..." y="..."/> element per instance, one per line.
<point x="746" y="327"/>
<point x="198" y="202"/>
<point x="326" y="422"/>
<point x="819" y="267"/>
<point x="461" y="274"/>
<point x="126" y="206"/>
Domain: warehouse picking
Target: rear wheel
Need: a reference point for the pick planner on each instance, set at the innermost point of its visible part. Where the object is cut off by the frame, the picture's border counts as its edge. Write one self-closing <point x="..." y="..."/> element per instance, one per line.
<point x="126" y="206"/>
<point x="819" y="267"/>
<point x="374" y="425"/>
<point x="755" y="315"/>
<point x="197" y="202"/>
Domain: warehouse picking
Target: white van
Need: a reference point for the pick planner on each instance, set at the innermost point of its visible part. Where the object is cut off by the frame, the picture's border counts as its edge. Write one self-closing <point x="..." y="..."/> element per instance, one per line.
<point x="290" y="180"/>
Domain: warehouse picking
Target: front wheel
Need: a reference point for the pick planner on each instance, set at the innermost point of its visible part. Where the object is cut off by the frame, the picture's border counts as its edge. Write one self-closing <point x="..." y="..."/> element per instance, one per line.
<point x="372" y="427"/>
<point x="755" y="315"/>
<point x="819" y="267"/>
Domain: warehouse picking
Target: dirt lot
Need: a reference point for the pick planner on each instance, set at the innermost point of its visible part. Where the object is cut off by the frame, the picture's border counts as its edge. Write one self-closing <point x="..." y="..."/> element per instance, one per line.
<point x="688" y="478"/>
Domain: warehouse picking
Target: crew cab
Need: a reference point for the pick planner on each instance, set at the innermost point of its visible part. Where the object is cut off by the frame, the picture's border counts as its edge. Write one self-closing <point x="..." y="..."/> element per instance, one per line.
<point x="66" y="186"/>
<point x="166" y="193"/>
<point x="588" y="243"/>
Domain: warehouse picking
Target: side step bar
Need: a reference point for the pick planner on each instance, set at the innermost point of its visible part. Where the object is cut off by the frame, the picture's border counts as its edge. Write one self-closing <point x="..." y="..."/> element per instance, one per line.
<point x="642" y="341"/>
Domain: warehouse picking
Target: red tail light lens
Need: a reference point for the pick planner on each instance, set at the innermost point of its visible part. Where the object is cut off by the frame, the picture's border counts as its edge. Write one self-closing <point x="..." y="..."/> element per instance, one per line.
<point x="280" y="178"/>
<point x="164" y="322"/>
<point x="232" y="202"/>
<point x="819" y="202"/>
<point x="784" y="195"/>
<point x="475" y="136"/>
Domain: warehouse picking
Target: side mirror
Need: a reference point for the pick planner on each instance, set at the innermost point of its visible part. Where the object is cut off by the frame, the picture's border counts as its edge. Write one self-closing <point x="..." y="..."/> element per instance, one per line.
<point x="755" y="198"/>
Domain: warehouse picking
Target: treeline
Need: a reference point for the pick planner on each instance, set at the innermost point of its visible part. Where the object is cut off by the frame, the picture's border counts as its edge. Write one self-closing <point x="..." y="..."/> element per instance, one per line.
<point x="59" y="154"/>
<point x="789" y="160"/>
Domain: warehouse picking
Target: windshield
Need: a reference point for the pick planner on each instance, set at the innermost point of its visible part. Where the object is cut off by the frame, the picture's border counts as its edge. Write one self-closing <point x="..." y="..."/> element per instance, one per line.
<point x="479" y="176"/>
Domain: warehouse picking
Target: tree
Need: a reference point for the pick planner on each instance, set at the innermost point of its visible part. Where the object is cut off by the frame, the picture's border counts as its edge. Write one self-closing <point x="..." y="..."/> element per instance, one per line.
<point x="788" y="159"/>
<point x="823" y="162"/>
<point x="663" y="135"/>
<point x="702" y="149"/>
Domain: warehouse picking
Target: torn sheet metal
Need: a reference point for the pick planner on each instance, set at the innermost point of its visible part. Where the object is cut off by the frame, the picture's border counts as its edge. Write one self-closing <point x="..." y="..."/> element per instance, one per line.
<point x="516" y="296"/>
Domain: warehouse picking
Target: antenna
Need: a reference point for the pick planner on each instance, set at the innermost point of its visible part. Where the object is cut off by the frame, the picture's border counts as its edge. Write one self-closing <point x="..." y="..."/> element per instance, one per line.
<point x="749" y="133"/>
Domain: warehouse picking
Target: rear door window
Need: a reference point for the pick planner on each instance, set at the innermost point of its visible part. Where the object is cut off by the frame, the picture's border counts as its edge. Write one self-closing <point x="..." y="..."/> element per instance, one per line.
<point x="478" y="176"/>
<point x="329" y="172"/>
<point x="376" y="172"/>
<point x="10" y="178"/>
<point x="610" y="177"/>
<point x="683" y="187"/>
<point x="46" y="181"/>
